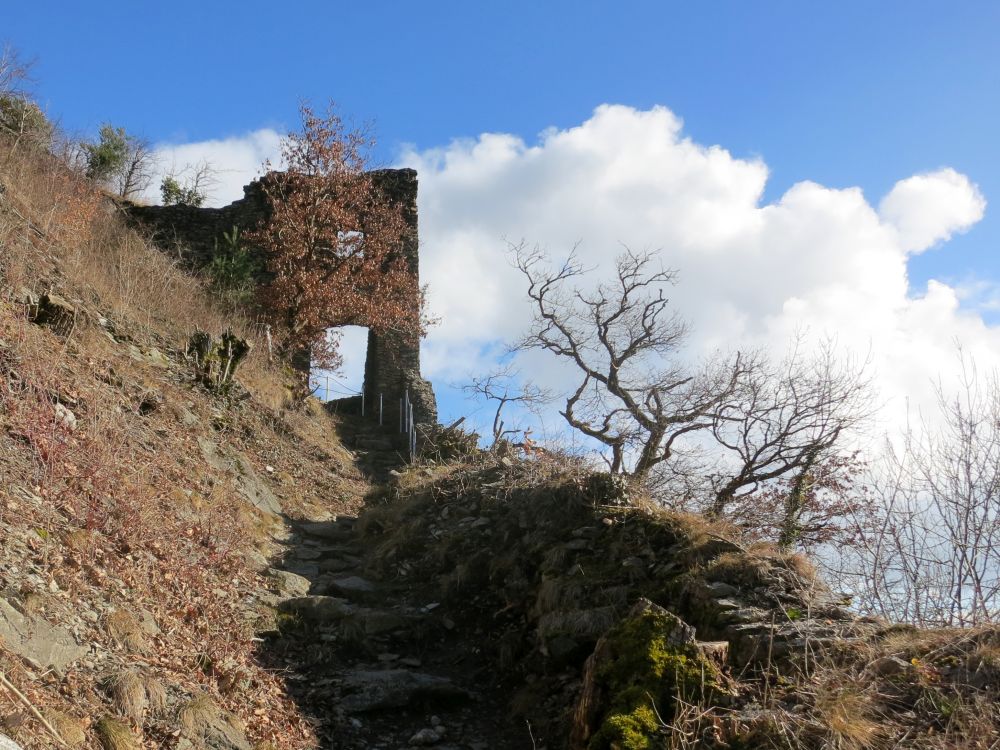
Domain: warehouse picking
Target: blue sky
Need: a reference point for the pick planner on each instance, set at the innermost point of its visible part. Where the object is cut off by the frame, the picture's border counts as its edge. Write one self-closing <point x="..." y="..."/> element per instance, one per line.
<point x="847" y="93"/>
<point x="841" y="94"/>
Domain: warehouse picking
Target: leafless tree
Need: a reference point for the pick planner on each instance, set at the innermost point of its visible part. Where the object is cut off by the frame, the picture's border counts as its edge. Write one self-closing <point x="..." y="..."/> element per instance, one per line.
<point x="929" y="545"/>
<point x="137" y="170"/>
<point x="785" y="421"/>
<point x="15" y="73"/>
<point x="749" y="426"/>
<point x="928" y="540"/>
<point x="506" y="388"/>
<point x="633" y="395"/>
<point x="22" y="121"/>
<point x="121" y="160"/>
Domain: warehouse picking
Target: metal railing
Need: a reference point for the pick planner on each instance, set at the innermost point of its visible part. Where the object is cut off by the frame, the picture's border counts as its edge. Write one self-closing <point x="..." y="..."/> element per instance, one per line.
<point x="330" y="388"/>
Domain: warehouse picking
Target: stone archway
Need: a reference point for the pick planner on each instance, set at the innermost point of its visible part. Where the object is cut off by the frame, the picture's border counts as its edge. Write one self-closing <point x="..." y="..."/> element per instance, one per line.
<point x="392" y="362"/>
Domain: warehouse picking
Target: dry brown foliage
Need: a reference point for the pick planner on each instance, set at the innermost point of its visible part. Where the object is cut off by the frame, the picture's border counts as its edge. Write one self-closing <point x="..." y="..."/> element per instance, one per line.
<point x="332" y="242"/>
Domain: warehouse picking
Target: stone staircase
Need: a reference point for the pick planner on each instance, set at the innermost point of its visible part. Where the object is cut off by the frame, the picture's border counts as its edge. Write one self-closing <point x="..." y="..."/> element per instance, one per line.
<point x="378" y="449"/>
<point x="378" y="663"/>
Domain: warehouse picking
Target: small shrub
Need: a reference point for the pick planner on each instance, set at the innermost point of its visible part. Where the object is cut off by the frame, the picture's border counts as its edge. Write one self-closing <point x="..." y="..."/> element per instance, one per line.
<point x="23" y="121"/>
<point x="215" y="361"/>
<point x="233" y="270"/>
<point x="127" y="693"/>
<point x="174" y="193"/>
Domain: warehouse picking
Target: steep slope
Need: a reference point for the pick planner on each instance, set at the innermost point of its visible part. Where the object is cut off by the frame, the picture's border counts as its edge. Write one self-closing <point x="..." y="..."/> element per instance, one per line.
<point x="138" y="510"/>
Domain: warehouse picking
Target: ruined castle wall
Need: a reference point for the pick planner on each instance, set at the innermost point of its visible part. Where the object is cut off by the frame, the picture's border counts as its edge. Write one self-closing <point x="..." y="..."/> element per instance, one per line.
<point x="392" y="365"/>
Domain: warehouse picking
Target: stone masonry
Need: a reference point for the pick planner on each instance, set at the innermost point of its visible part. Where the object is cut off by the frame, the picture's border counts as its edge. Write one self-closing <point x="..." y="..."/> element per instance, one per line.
<point x="392" y="364"/>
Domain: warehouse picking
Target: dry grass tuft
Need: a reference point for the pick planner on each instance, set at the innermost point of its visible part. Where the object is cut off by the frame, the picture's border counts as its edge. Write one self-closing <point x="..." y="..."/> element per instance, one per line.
<point x="125" y="630"/>
<point x="198" y="712"/>
<point x="79" y="540"/>
<point x="114" y="735"/>
<point x="72" y="730"/>
<point x="846" y="713"/>
<point x="156" y="697"/>
<point x="127" y="693"/>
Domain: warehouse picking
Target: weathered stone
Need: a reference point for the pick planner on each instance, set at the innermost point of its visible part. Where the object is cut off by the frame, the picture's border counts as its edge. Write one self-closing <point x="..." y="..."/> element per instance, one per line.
<point x="353" y="587"/>
<point x="247" y="481"/>
<point x="426" y="736"/>
<point x="721" y="589"/>
<point x="396" y="688"/>
<point x="55" y="312"/>
<point x="65" y="418"/>
<point x="6" y="743"/>
<point x="888" y="666"/>
<point x="34" y="639"/>
<point x="286" y="583"/>
<point x="330" y="530"/>
<point x="379" y="621"/>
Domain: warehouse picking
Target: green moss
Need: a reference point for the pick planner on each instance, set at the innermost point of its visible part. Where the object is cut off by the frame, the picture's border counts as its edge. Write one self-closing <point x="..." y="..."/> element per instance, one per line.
<point x="647" y="670"/>
<point x="631" y="731"/>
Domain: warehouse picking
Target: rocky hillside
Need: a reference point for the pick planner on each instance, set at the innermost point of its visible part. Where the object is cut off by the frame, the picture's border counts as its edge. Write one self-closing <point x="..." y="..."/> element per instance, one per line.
<point x="185" y="566"/>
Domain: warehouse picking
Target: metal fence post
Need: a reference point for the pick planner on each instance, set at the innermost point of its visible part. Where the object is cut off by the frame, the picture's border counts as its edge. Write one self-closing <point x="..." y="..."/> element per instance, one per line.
<point x="380" y="409"/>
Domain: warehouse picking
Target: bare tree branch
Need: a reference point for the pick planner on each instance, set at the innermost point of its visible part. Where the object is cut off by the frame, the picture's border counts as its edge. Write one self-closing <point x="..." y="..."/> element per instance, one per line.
<point x="505" y="387"/>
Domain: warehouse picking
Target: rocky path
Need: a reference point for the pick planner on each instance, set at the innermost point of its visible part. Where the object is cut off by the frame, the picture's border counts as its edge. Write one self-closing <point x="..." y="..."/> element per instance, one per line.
<point x="378" y="663"/>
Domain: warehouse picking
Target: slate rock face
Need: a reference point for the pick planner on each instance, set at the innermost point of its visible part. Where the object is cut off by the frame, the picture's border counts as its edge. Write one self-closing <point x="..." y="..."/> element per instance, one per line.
<point x="34" y="639"/>
<point x="248" y="482"/>
<point x="6" y="743"/>
<point x="55" y="312"/>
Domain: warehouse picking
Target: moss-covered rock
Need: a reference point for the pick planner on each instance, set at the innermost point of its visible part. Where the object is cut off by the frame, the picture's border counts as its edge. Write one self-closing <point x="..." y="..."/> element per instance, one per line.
<point x="215" y="360"/>
<point x="639" y="670"/>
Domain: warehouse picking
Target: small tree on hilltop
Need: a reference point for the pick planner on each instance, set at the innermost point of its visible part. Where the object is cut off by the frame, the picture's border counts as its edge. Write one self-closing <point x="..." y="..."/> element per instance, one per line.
<point x="332" y="244"/>
<point x="124" y="162"/>
<point x="21" y="119"/>
<point x="189" y="187"/>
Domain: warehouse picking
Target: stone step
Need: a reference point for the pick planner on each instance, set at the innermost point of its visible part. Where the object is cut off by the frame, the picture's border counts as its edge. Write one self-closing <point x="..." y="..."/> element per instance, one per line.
<point x="374" y="690"/>
<point x="335" y="531"/>
<point x="354" y="588"/>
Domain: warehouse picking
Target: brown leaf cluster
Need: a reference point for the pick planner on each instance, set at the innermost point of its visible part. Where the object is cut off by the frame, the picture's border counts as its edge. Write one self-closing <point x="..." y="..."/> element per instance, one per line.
<point x="333" y="242"/>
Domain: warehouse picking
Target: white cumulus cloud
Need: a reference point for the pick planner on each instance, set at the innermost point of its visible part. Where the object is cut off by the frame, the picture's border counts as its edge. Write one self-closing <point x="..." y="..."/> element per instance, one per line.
<point x="235" y="161"/>
<point x="928" y="208"/>
<point x="751" y="273"/>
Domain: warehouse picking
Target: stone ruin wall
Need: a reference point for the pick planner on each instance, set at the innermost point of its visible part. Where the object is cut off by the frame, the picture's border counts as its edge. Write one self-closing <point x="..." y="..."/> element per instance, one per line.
<point x="392" y="363"/>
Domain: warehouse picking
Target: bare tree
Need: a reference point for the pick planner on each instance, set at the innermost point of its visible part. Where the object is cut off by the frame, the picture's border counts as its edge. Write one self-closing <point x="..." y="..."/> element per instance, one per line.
<point x="123" y="161"/>
<point x="753" y="429"/>
<point x="137" y="171"/>
<point x="633" y="396"/>
<point x="928" y="540"/>
<point x="787" y="421"/>
<point x="190" y="186"/>
<point x="15" y="73"/>
<point x="22" y="121"/>
<point x="505" y="387"/>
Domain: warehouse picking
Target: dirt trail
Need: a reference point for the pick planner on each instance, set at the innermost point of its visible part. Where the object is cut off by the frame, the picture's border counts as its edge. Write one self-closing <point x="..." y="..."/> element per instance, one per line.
<point x="378" y="663"/>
